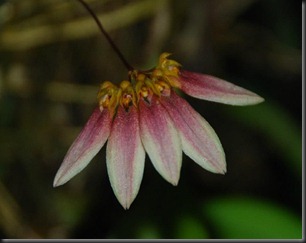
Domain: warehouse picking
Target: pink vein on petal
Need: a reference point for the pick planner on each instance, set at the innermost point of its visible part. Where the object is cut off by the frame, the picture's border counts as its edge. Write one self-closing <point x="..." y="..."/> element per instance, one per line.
<point x="211" y="88"/>
<point x="88" y="143"/>
<point x="199" y="140"/>
<point x="125" y="156"/>
<point x="160" y="139"/>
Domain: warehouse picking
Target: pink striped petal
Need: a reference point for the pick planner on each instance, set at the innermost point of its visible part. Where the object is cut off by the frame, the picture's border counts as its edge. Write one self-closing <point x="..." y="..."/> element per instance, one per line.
<point x="85" y="147"/>
<point x="160" y="139"/>
<point x="214" y="89"/>
<point x="125" y="156"/>
<point x="199" y="140"/>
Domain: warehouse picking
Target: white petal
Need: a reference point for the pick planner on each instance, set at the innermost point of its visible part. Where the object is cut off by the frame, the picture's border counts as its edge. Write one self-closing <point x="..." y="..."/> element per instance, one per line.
<point x="199" y="140"/>
<point x="85" y="147"/>
<point x="125" y="156"/>
<point x="161" y="140"/>
<point x="211" y="88"/>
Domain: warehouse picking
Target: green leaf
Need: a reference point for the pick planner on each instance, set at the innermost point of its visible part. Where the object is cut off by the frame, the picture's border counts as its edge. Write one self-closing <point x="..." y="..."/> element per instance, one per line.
<point x="280" y="129"/>
<point x="189" y="227"/>
<point x="147" y="231"/>
<point x="250" y="218"/>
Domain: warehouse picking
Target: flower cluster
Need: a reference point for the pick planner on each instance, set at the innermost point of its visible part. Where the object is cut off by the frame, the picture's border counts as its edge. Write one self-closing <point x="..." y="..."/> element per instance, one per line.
<point x="143" y="115"/>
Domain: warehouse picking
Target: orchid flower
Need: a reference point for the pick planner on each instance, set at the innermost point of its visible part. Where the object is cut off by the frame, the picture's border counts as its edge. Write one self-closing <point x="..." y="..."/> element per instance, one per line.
<point x="145" y="115"/>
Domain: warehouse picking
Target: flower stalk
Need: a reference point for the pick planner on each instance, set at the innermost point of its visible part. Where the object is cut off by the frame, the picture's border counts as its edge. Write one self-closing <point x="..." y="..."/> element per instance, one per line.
<point x="106" y="35"/>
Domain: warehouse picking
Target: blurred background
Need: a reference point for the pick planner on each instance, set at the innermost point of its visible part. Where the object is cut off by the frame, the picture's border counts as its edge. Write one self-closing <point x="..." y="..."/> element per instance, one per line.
<point x="52" y="60"/>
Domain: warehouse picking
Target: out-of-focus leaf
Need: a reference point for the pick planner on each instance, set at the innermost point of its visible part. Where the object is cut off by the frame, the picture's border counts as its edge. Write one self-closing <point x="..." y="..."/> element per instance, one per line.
<point x="278" y="127"/>
<point x="11" y="221"/>
<point x="71" y="208"/>
<point x="39" y="34"/>
<point x="251" y="218"/>
<point x="148" y="231"/>
<point x="189" y="227"/>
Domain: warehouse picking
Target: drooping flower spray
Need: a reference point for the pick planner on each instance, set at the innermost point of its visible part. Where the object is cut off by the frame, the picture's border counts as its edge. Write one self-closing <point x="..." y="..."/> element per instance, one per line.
<point x="144" y="115"/>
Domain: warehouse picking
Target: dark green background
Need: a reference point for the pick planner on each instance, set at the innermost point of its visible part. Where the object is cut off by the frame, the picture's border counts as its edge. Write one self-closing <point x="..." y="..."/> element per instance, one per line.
<point x="48" y="86"/>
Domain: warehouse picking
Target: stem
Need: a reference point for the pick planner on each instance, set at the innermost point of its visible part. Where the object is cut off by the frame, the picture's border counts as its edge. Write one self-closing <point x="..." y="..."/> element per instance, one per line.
<point x="105" y="34"/>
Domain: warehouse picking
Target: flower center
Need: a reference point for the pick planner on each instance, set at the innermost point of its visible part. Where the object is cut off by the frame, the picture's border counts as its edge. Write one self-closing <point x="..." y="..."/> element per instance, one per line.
<point x="142" y="85"/>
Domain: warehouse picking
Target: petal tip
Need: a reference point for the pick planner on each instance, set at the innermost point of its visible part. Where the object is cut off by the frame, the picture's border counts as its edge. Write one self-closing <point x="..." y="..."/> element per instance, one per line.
<point x="125" y="207"/>
<point x="223" y="169"/>
<point x="126" y="204"/>
<point x="173" y="181"/>
<point x="219" y="168"/>
<point x="55" y="184"/>
<point x="58" y="181"/>
<point x="256" y="99"/>
<point x="260" y="99"/>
